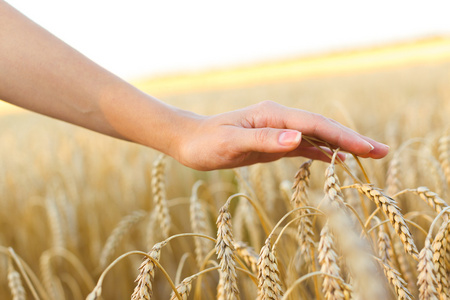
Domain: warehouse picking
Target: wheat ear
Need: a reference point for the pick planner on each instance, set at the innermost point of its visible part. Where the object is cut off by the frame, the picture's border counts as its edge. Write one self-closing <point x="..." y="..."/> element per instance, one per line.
<point x="331" y="287"/>
<point x="144" y="287"/>
<point x="431" y="198"/>
<point x="390" y="208"/>
<point x="301" y="183"/>
<point x="332" y="188"/>
<point x="393" y="184"/>
<point x="426" y="280"/>
<point x="248" y="254"/>
<point x="444" y="155"/>
<point x="184" y="288"/>
<point x="404" y="265"/>
<point x="15" y="283"/>
<point x="384" y="246"/>
<point x="440" y="248"/>
<point x="117" y="235"/>
<point x="299" y="198"/>
<point x="159" y="195"/>
<point x="227" y="289"/>
<point x="353" y="246"/>
<point x="199" y="224"/>
<point x="269" y="286"/>
<point x="397" y="282"/>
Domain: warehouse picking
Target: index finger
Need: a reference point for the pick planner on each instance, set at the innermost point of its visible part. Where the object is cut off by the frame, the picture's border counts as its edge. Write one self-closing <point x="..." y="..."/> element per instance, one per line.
<point x="334" y="133"/>
<point x="272" y="114"/>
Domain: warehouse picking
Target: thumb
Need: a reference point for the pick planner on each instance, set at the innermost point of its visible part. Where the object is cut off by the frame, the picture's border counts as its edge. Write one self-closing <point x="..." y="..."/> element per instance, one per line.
<point x="268" y="140"/>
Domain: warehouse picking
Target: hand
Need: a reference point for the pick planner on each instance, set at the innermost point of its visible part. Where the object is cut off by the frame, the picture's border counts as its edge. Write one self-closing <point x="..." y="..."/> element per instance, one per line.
<point x="266" y="132"/>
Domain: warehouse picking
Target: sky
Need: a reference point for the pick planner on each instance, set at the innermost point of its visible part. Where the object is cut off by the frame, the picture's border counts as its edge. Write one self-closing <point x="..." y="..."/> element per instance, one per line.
<point x="141" y="38"/>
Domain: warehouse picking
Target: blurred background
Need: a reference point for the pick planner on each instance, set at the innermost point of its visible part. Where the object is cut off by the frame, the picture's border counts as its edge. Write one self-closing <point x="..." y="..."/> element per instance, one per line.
<point x="179" y="47"/>
<point x="379" y="67"/>
<point x="139" y="38"/>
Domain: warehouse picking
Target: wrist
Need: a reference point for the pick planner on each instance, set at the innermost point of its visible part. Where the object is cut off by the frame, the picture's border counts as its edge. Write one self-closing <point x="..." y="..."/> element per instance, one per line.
<point x="143" y="119"/>
<point x="180" y="130"/>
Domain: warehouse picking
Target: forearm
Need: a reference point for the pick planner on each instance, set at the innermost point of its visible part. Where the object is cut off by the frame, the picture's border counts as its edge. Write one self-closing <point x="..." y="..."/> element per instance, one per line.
<point x="41" y="73"/>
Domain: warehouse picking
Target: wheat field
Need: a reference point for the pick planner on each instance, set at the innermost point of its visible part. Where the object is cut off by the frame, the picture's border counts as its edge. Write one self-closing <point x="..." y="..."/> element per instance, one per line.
<point x="85" y="216"/>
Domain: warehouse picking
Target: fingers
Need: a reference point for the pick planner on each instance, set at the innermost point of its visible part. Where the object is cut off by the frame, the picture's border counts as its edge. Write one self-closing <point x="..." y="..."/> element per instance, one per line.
<point x="266" y="140"/>
<point x="269" y="144"/>
<point x="271" y="114"/>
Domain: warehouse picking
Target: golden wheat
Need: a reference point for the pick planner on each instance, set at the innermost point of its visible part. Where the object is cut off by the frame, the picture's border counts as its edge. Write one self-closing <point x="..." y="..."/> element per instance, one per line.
<point x="93" y="194"/>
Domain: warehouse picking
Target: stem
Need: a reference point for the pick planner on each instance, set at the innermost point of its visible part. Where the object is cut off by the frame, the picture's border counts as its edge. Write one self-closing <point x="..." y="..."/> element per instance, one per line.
<point x="304" y="277"/>
<point x="287" y="215"/>
<point x="188" y="234"/>
<point x="265" y="223"/>
<point x="379" y="224"/>
<point x="363" y="205"/>
<point x="403" y="192"/>
<point x="430" y="231"/>
<point x="203" y="266"/>
<point x="245" y="270"/>
<point x="341" y="163"/>
<point x="288" y="224"/>
<point x="424" y="214"/>
<point x="180" y="267"/>
<point x="71" y="258"/>
<point x="362" y="168"/>
<point x="371" y="217"/>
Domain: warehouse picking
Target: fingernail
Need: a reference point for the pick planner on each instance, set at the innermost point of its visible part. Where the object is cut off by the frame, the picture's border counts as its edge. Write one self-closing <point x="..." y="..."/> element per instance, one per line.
<point x="288" y="138"/>
<point x="370" y="145"/>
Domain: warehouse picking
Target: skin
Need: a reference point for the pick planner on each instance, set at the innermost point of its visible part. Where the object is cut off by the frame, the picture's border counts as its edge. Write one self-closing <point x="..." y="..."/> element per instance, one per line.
<point x="41" y="73"/>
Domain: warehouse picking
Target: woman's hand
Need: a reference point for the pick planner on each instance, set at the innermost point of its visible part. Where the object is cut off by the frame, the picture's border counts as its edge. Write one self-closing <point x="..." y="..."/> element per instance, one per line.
<point x="266" y="132"/>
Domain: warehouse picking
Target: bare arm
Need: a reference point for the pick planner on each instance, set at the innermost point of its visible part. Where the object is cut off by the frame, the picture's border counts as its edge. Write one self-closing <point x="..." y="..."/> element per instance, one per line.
<point x="41" y="73"/>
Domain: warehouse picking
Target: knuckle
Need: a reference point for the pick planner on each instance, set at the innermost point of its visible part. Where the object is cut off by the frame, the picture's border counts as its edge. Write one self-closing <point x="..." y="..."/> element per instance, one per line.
<point x="262" y="135"/>
<point x="267" y="104"/>
<point x="264" y="105"/>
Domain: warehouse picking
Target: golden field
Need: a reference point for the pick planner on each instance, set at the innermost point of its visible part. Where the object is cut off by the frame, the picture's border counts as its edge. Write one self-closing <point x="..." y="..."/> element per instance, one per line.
<point x="74" y="201"/>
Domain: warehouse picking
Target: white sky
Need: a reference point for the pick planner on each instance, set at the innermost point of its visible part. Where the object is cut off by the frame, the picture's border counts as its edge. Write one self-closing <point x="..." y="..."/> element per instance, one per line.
<point x="134" y="38"/>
